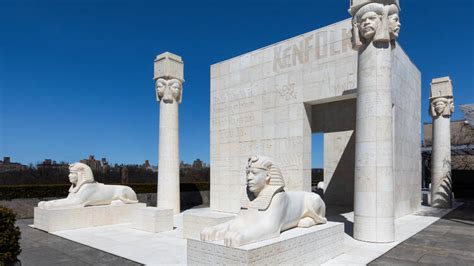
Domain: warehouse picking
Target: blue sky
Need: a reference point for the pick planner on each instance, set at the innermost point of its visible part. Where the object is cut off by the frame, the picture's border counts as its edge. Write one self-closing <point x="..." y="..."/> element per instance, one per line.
<point x="76" y="76"/>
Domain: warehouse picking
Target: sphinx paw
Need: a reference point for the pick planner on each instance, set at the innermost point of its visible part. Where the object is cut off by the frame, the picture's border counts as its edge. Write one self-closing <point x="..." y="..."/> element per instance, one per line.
<point x="208" y="234"/>
<point x="233" y="239"/>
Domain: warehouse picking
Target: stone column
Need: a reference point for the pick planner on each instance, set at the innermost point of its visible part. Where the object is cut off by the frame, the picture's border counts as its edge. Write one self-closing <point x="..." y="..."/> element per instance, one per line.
<point x="375" y="28"/>
<point x="441" y="108"/>
<point x="168" y="76"/>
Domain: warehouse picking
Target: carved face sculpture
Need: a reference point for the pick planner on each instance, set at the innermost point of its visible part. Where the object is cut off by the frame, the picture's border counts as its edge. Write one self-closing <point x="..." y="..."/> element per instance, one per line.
<point x="394" y="24"/>
<point x="257" y="179"/>
<point x="79" y="173"/>
<point x="369" y="23"/>
<point x="168" y="91"/>
<point x="439" y="107"/>
<point x="73" y="177"/>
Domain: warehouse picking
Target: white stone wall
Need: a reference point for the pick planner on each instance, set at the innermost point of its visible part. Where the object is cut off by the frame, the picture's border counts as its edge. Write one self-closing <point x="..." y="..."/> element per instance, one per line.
<point x="257" y="107"/>
<point x="263" y="102"/>
<point x="406" y="97"/>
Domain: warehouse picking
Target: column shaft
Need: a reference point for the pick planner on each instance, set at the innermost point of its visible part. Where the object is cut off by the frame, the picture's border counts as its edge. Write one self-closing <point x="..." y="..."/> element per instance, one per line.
<point x="373" y="187"/>
<point x="168" y="161"/>
<point x="441" y="183"/>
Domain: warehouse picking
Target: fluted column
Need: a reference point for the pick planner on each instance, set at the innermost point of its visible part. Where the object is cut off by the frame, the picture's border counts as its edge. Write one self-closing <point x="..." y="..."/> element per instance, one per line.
<point x="441" y="108"/>
<point x="168" y="77"/>
<point x="375" y="28"/>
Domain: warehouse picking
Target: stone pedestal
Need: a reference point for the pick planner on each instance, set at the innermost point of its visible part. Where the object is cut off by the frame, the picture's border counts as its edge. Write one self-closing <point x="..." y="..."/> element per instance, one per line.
<point x="67" y="219"/>
<point x="298" y="246"/>
<point x="168" y="76"/>
<point x="441" y="108"/>
<point x="194" y="221"/>
<point x="152" y="219"/>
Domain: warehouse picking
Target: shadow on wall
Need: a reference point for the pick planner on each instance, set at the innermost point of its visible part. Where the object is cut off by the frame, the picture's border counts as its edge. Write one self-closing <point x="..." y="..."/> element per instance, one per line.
<point x="340" y="191"/>
<point x="191" y="195"/>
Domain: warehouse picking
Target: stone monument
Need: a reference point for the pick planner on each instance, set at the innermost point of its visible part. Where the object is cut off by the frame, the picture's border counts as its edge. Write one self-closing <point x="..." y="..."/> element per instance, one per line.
<point x="168" y="76"/>
<point x="266" y="208"/>
<point x="375" y="27"/>
<point x="88" y="204"/>
<point x="85" y="191"/>
<point x="274" y="226"/>
<point x="441" y="108"/>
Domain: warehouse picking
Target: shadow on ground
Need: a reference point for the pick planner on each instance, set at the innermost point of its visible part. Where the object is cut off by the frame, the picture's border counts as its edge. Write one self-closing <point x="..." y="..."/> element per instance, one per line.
<point x="448" y="241"/>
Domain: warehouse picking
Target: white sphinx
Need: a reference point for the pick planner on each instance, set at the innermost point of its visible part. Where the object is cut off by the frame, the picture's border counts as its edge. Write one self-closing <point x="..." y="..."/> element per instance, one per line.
<point x="84" y="191"/>
<point x="266" y="209"/>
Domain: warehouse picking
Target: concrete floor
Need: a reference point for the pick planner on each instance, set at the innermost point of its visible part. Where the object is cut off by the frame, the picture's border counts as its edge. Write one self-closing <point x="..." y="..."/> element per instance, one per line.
<point x="449" y="241"/>
<point x="40" y="248"/>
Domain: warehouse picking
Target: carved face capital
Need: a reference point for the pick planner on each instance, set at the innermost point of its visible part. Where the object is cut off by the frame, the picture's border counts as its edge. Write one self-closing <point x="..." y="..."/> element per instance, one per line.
<point x="441" y="106"/>
<point x="168" y="90"/>
<point x="375" y="22"/>
<point x="394" y="25"/>
<point x="369" y="23"/>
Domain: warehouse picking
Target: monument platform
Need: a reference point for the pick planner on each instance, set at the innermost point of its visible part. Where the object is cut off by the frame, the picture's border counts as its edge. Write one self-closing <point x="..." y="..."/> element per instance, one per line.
<point x="169" y="247"/>
<point x="296" y="246"/>
<point x="152" y="219"/>
<point x="76" y="218"/>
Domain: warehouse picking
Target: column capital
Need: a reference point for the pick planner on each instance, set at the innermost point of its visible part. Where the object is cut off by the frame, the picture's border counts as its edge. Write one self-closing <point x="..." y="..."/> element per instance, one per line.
<point x="169" y="77"/>
<point x="441" y="97"/>
<point x="374" y="21"/>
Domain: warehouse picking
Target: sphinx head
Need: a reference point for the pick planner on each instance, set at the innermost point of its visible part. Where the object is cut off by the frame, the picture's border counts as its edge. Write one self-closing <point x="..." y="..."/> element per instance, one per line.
<point x="80" y="173"/>
<point x="260" y="172"/>
<point x="169" y="90"/>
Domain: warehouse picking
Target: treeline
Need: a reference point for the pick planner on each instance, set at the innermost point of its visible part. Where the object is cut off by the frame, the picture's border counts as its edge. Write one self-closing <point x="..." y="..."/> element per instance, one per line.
<point x="116" y="175"/>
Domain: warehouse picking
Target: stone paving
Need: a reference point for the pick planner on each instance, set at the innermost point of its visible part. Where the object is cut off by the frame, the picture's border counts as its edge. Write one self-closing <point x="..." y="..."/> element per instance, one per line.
<point x="40" y="248"/>
<point x="449" y="241"/>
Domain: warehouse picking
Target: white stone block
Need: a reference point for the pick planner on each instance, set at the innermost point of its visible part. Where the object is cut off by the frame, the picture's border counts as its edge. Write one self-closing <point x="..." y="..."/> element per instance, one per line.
<point x="152" y="219"/>
<point x="314" y="245"/>
<point x="194" y="221"/>
<point x="67" y="219"/>
<point x="168" y="65"/>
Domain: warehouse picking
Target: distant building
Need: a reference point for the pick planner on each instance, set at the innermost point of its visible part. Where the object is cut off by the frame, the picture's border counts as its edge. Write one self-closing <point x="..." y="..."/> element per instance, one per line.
<point x="6" y="165"/>
<point x="49" y="164"/>
<point x="94" y="164"/>
<point x="462" y="144"/>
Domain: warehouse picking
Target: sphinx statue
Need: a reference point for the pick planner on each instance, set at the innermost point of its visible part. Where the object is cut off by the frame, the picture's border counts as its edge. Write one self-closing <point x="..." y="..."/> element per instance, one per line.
<point x="85" y="191"/>
<point x="266" y="208"/>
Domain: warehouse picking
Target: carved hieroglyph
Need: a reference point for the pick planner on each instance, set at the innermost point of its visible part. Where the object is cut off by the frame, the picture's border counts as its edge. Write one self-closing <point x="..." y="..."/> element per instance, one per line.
<point x="266" y="208"/>
<point x="376" y="25"/>
<point x="168" y="76"/>
<point x="84" y="191"/>
<point x="441" y="108"/>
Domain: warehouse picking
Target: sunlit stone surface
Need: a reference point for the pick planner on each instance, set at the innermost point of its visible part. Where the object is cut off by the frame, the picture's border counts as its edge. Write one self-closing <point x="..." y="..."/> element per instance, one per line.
<point x="441" y="108"/>
<point x="169" y="80"/>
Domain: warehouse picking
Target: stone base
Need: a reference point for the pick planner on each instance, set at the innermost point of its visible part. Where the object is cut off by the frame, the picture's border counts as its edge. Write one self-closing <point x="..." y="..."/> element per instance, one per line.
<point x="195" y="220"/>
<point x="67" y="219"/>
<point x="152" y="219"/>
<point x="314" y="245"/>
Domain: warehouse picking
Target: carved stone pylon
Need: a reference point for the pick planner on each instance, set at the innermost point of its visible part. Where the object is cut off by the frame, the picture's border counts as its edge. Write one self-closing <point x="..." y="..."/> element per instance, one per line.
<point x="168" y="76"/>
<point x="375" y="27"/>
<point x="441" y="108"/>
